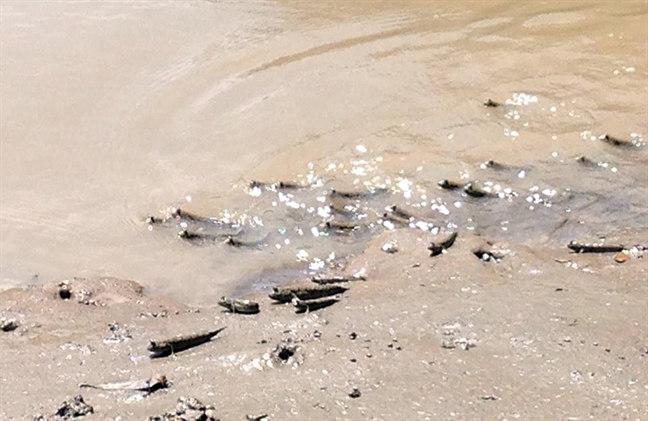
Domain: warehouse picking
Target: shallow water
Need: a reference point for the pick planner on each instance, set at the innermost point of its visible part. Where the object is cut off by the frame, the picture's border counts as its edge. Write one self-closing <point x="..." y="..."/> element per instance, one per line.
<point x="114" y="111"/>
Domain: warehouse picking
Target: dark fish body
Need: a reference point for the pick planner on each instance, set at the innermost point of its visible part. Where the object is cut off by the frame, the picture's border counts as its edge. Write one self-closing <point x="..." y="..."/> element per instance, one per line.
<point x="305" y="292"/>
<point x="585" y="161"/>
<point x="152" y="220"/>
<point x="473" y="191"/>
<point x="616" y="141"/>
<point x="322" y="280"/>
<point x="235" y="242"/>
<point x="342" y="225"/>
<point x="149" y="385"/>
<point x="167" y="347"/>
<point x="196" y="236"/>
<point x="303" y="306"/>
<point x="489" y="103"/>
<point x="450" y="185"/>
<point x="397" y="219"/>
<point x="340" y="208"/>
<point x="239" y="306"/>
<point x="437" y="248"/>
<point x="354" y="194"/>
<point x="279" y="185"/>
<point x="497" y="166"/>
<point x="401" y="213"/>
<point x="188" y="216"/>
<point x="594" y="248"/>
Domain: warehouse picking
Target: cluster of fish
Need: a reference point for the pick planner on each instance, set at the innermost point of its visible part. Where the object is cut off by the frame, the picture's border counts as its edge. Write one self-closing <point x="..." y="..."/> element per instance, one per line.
<point x="305" y="297"/>
<point x="189" y="221"/>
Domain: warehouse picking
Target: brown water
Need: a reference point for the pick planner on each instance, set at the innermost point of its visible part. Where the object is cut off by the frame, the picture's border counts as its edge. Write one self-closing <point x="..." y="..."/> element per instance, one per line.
<point x="111" y="111"/>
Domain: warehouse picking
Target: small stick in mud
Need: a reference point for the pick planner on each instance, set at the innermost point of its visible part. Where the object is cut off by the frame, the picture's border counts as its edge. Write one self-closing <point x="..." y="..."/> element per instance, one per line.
<point x="489" y="103"/>
<point x="239" y="306"/>
<point x="170" y="346"/>
<point x="149" y="385"/>
<point x="450" y="185"/>
<point x="438" y="248"/>
<point x="305" y="292"/>
<point x="304" y="306"/>
<point x="594" y="248"/>
<point x="616" y="141"/>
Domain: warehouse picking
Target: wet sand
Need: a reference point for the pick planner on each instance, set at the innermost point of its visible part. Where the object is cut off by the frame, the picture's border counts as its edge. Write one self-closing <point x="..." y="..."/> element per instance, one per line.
<point x="112" y="112"/>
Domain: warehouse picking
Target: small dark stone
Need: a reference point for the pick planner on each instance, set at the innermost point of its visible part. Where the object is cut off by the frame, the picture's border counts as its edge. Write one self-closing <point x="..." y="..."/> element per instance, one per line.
<point x="559" y="289"/>
<point x="390" y="346"/>
<point x="353" y="336"/>
<point x="399" y="348"/>
<point x="8" y="325"/>
<point x="608" y="350"/>
<point x="353" y="360"/>
<point x="355" y="393"/>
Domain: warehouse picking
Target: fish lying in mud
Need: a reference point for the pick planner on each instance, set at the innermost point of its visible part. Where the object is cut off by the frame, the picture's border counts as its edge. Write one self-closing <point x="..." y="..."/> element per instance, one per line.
<point x="355" y="194"/>
<point x="149" y="385"/>
<point x="285" y="294"/>
<point x="303" y="306"/>
<point x="193" y="236"/>
<point x="616" y="141"/>
<point x="324" y="280"/>
<point x="278" y="185"/>
<point x="489" y="103"/>
<point x="594" y="248"/>
<point x="342" y="226"/>
<point x="178" y="213"/>
<point x="473" y="191"/>
<point x="239" y="306"/>
<point x="438" y="247"/>
<point x="450" y="185"/>
<point x="170" y="346"/>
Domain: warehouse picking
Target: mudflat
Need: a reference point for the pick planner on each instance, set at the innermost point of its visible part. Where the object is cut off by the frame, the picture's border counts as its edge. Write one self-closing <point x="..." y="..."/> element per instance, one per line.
<point x="158" y="156"/>
<point x="422" y="337"/>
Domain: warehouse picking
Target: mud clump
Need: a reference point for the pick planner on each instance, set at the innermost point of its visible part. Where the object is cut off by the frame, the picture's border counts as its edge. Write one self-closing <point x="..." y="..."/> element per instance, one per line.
<point x="74" y="408"/>
<point x="188" y="409"/>
<point x="8" y="325"/>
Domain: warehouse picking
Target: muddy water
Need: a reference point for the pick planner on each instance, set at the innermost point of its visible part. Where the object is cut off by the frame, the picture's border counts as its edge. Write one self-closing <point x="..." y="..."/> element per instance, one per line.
<point x="112" y="111"/>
